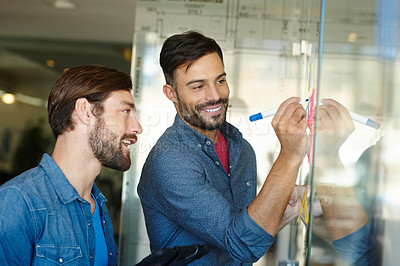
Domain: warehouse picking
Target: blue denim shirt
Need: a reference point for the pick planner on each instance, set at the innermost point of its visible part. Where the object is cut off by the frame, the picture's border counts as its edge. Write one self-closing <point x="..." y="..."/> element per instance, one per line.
<point x="187" y="197"/>
<point x="44" y="221"/>
<point x="359" y="247"/>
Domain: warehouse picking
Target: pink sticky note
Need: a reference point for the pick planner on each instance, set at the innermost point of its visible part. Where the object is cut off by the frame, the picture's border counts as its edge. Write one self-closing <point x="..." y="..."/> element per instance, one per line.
<point x="310" y="124"/>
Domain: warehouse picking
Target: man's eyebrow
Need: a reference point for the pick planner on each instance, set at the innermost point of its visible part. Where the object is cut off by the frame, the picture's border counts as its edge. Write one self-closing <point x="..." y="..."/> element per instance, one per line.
<point x="220" y="76"/>
<point x="130" y="104"/>
<point x="195" y="81"/>
<point x="202" y="80"/>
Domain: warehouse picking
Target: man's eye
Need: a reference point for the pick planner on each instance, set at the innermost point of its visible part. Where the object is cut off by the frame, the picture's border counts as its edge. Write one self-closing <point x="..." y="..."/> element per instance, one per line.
<point x="221" y="81"/>
<point x="198" y="87"/>
<point x="127" y="111"/>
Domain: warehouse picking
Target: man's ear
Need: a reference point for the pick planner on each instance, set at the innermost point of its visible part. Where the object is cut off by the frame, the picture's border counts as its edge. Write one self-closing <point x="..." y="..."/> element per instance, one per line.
<point x="83" y="111"/>
<point x="170" y="92"/>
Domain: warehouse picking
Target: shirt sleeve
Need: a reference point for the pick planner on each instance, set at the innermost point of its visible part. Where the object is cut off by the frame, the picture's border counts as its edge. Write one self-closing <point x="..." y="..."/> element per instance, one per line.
<point x="358" y="248"/>
<point x="175" y="185"/>
<point x="16" y="229"/>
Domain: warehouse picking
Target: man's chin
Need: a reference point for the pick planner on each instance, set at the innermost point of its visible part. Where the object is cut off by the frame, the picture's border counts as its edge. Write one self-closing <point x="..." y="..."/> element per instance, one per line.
<point x="204" y="123"/>
<point x="211" y="127"/>
<point x="121" y="168"/>
<point x="215" y="124"/>
<point x="122" y="165"/>
<point x="126" y="165"/>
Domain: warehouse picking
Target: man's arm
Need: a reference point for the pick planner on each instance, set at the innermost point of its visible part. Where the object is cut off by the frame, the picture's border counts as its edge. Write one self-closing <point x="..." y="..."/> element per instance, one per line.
<point x="268" y="207"/>
<point x="180" y="192"/>
<point x="16" y="229"/>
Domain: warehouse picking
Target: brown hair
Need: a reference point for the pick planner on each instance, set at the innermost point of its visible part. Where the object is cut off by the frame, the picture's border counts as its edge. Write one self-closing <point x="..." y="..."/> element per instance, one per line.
<point x="94" y="83"/>
<point x="184" y="48"/>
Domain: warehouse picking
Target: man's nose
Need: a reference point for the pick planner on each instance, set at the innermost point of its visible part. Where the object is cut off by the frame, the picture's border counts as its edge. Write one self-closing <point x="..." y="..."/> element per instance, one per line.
<point x="134" y="126"/>
<point x="212" y="93"/>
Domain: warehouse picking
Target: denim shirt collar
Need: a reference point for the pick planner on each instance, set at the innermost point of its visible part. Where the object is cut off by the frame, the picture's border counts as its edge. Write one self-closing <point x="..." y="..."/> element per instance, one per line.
<point x="65" y="191"/>
<point x="227" y="130"/>
<point x="232" y="135"/>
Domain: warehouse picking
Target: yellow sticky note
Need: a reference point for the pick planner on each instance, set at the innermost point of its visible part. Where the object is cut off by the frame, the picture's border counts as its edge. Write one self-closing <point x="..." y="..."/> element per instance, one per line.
<point x="305" y="205"/>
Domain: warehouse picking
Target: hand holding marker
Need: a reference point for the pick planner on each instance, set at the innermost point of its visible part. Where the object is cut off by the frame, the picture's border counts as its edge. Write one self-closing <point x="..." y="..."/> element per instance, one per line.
<point x="269" y="112"/>
<point x="354" y="116"/>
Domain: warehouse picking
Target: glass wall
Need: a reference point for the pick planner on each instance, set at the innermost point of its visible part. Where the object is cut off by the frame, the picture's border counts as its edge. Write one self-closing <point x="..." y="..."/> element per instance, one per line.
<point x="356" y="219"/>
<point x="273" y="49"/>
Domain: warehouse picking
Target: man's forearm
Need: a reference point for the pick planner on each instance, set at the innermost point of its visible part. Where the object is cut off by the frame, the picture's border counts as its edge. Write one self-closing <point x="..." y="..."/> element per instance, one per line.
<point x="269" y="206"/>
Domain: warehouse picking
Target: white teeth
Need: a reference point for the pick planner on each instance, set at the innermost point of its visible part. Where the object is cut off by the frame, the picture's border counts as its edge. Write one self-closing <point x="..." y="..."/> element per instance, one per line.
<point x="126" y="142"/>
<point x="212" y="110"/>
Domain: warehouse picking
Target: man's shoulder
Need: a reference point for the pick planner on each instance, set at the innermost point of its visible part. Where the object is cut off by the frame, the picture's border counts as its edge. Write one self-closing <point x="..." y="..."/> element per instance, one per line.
<point x="170" y="134"/>
<point x="172" y="139"/>
<point x="25" y="179"/>
<point x="30" y="185"/>
<point x="174" y="149"/>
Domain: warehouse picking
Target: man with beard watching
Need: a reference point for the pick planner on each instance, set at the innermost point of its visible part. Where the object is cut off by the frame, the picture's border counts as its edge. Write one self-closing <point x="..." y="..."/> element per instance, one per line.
<point x="198" y="184"/>
<point x="54" y="213"/>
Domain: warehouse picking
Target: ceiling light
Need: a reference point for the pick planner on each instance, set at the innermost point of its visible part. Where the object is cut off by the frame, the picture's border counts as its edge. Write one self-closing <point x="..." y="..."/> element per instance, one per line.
<point x="30" y="100"/>
<point x="127" y="54"/>
<point x="50" y="63"/>
<point x="8" y="98"/>
<point x="62" y="4"/>
<point x="352" y="37"/>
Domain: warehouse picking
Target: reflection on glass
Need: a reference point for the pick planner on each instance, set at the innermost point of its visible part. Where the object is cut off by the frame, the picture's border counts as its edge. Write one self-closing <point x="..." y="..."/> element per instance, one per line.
<point x="354" y="177"/>
<point x="344" y="221"/>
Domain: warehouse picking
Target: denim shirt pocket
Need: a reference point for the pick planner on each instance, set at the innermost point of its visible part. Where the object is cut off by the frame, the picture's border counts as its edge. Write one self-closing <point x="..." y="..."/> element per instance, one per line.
<point x="58" y="255"/>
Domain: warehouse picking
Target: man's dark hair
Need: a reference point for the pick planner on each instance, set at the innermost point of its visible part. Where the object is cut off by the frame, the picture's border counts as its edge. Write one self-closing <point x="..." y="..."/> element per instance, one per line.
<point x="185" y="48"/>
<point x="94" y="83"/>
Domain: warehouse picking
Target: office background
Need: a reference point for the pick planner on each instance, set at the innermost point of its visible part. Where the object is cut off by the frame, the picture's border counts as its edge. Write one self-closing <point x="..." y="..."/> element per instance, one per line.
<point x="271" y="50"/>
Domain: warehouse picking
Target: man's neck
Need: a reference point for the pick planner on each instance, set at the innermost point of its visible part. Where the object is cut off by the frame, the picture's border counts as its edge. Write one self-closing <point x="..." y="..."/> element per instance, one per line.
<point x="211" y="134"/>
<point x="77" y="164"/>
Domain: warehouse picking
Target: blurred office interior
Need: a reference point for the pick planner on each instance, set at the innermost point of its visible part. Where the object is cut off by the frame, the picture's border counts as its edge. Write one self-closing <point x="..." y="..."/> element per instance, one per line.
<point x="273" y="49"/>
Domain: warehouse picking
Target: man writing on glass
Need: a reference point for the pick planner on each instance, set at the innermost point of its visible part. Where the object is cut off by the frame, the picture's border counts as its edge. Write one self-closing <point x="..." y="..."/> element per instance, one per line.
<point x="198" y="185"/>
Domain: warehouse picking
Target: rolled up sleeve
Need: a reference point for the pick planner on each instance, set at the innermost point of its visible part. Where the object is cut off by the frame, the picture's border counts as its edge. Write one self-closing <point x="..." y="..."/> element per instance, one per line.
<point x="246" y="239"/>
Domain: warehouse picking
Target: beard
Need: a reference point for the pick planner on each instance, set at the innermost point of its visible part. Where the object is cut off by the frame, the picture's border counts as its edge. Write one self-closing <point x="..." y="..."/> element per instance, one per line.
<point x="195" y="118"/>
<point x="107" y="147"/>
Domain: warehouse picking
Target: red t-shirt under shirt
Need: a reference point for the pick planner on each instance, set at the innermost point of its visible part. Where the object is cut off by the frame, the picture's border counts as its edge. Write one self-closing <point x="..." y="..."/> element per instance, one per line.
<point x="221" y="148"/>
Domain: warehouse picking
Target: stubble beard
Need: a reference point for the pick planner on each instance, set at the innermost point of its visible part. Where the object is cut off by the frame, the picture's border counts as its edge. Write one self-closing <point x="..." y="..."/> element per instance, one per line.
<point x="107" y="147"/>
<point x="194" y="118"/>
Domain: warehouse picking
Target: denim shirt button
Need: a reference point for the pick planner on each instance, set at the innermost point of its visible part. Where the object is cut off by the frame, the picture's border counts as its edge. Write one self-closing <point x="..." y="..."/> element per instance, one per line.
<point x="89" y="223"/>
<point x="199" y="145"/>
<point x="91" y="257"/>
<point x="60" y="260"/>
<point x="216" y="163"/>
<point x="208" y="142"/>
<point x="110" y="254"/>
<point x="248" y="184"/>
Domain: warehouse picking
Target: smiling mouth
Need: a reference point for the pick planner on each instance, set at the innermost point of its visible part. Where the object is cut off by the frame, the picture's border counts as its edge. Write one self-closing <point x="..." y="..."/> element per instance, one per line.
<point x="212" y="110"/>
<point x="128" y="142"/>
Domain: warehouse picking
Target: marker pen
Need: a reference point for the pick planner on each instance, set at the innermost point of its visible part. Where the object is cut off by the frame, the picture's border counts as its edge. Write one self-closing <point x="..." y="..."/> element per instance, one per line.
<point x="354" y="116"/>
<point x="364" y="120"/>
<point x="268" y="113"/>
